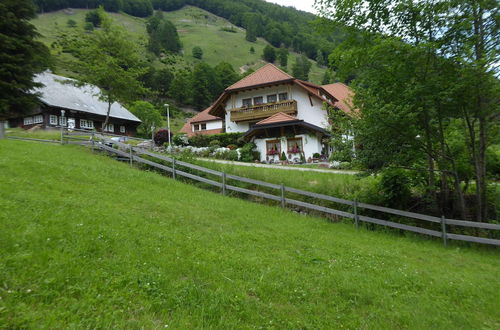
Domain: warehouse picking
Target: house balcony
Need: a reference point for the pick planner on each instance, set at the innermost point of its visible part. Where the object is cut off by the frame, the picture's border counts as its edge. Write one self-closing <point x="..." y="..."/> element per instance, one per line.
<point x="261" y="111"/>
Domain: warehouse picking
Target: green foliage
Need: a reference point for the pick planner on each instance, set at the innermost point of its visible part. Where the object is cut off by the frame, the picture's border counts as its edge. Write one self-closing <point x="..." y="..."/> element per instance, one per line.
<point x="320" y="59"/>
<point x="21" y="57"/>
<point x="89" y="27"/>
<point x="150" y="117"/>
<point x="341" y="131"/>
<point x="247" y="152"/>
<point x="226" y="76"/>
<point x="283" y="156"/>
<point x="252" y="50"/>
<point x="110" y="61"/>
<point x="180" y="90"/>
<point x="283" y="56"/>
<point x="95" y="17"/>
<point x="225" y="139"/>
<point x="71" y="23"/>
<point x="158" y="80"/>
<point x="204" y="85"/>
<point x="395" y="188"/>
<point x="214" y="143"/>
<point x="163" y="35"/>
<point x="301" y="68"/>
<point x="327" y="78"/>
<point x="197" y="52"/>
<point x="269" y="54"/>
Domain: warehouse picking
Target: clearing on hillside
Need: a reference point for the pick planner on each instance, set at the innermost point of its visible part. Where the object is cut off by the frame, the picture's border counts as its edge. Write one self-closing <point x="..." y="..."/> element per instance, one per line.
<point x="87" y="242"/>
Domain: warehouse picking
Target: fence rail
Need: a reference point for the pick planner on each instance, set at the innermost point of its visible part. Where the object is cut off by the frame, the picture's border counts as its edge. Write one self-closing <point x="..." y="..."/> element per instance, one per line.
<point x="133" y="154"/>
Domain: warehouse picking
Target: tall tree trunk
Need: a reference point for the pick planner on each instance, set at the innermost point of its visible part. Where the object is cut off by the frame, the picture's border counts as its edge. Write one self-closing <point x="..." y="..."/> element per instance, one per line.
<point x="107" y="117"/>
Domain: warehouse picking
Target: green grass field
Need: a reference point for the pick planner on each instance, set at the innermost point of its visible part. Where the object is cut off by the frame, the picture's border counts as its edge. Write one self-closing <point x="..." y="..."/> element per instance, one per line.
<point x="87" y="242"/>
<point x="196" y="27"/>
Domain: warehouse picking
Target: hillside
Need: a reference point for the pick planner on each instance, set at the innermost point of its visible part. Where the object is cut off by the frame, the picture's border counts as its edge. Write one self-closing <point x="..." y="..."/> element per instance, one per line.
<point x="87" y="242"/>
<point x="196" y="27"/>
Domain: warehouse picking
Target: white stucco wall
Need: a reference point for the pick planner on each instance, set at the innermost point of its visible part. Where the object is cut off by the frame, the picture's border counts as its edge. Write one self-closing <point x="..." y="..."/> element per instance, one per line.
<point x="310" y="143"/>
<point x="312" y="114"/>
<point x="215" y="124"/>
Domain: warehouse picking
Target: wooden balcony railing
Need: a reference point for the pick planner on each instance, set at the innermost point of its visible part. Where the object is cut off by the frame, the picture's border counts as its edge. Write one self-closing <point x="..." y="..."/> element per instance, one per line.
<point x="262" y="111"/>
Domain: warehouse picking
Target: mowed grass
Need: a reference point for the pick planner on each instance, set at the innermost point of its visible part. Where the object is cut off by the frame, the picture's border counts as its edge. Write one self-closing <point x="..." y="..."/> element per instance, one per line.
<point x="196" y="27"/>
<point x="87" y="242"/>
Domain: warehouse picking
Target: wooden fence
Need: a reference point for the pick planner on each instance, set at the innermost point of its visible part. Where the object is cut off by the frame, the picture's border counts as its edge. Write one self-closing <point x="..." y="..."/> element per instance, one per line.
<point x="133" y="154"/>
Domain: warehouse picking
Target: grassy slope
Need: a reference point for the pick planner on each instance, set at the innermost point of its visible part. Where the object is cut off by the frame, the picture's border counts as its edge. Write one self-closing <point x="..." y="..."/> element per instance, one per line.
<point x="89" y="242"/>
<point x="196" y="28"/>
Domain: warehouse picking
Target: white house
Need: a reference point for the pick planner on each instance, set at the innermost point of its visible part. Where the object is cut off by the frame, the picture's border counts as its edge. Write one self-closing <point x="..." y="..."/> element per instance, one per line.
<point x="280" y="113"/>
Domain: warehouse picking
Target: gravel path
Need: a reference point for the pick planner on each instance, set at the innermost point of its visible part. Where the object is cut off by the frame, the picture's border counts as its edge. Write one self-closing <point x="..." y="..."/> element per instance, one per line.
<point x="280" y="167"/>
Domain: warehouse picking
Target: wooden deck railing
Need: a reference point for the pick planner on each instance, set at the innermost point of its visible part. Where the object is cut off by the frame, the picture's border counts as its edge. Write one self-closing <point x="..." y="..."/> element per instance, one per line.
<point x="262" y="111"/>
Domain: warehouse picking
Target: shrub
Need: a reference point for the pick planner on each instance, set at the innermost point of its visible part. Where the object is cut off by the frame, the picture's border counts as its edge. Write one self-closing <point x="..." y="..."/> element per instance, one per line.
<point x="224" y="139"/>
<point x="71" y="23"/>
<point x="214" y="143"/>
<point x="246" y="152"/>
<point x="197" y="52"/>
<point x="232" y="155"/>
<point x="89" y="27"/>
<point x="94" y="17"/>
<point x="316" y="155"/>
<point x="395" y="188"/>
<point x="180" y="139"/>
<point x="161" y="137"/>
<point x="283" y="156"/>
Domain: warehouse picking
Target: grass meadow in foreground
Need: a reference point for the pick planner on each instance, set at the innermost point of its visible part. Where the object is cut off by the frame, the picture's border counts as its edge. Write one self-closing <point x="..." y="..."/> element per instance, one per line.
<point x="87" y="242"/>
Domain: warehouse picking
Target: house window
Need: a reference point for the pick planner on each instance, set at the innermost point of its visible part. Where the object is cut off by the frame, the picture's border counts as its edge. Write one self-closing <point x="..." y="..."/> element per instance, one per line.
<point x="258" y="100"/>
<point x="53" y="119"/>
<point x="84" y="123"/>
<point x="273" y="147"/>
<point x="203" y="127"/>
<point x="271" y="98"/>
<point x="283" y="96"/>
<point x="63" y="121"/>
<point x="196" y="127"/>
<point x="122" y="129"/>
<point x="38" y="119"/>
<point x="109" y="128"/>
<point x="246" y="102"/>
<point x="28" y="120"/>
<point x="294" y="146"/>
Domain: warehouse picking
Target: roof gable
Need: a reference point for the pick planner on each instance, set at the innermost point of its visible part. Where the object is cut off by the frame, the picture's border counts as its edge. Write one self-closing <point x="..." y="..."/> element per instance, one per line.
<point x="343" y="94"/>
<point x="268" y="74"/>
<point x="204" y="116"/>
<point x="279" y="117"/>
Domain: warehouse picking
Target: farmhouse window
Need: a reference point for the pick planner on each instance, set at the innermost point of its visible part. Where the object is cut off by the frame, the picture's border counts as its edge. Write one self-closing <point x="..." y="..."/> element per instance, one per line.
<point x="53" y="119"/>
<point x="84" y="123"/>
<point x="258" y="100"/>
<point x="203" y="127"/>
<point x="294" y="146"/>
<point x="271" y="98"/>
<point x="28" y="120"/>
<point x="246" y="102"/>
<point x="38" y="119"/>
<point x="109" y="128"/>
<point x="273" y="147"/>
<point x="122" y="129"/>
<point x="63" y="121"/>
<point x="196" y="127"/>
<point x="283" y="96"/>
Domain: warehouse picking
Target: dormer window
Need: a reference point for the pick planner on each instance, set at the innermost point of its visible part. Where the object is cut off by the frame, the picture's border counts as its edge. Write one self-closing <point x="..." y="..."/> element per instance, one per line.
<point x="246" y="102"/>
<point x="283" y="96"/>
<point x="271" y="98"/>
<point x="258" y="100"/>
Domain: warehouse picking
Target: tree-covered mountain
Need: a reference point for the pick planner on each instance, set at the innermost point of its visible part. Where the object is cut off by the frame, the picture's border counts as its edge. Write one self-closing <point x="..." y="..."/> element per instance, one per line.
<point x="277" y="24"/>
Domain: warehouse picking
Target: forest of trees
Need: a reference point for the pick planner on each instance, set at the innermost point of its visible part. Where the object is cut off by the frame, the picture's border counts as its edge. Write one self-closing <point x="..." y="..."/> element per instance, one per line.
<point x="278" y="25"/>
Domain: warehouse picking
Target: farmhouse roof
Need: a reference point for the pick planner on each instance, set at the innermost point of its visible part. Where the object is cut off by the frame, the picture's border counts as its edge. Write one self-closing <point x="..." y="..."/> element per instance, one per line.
<point x="201" y="117"/>
<point x="268" y="74"/>
<point x="61" y="92"/>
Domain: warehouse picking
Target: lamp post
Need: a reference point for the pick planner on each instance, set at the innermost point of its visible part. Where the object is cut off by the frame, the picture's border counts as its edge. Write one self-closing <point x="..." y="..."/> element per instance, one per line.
<point x="168" y="125"/>
<point x="62" y="125"/>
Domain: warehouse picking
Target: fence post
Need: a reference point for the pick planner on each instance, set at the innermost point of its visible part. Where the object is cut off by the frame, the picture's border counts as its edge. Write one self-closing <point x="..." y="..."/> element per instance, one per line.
<point x="131" y="157"/>
<point x="443" y="230"/>
<point x="62" y="134"/>
<point x="173" y="168"/>
<point x="223" y="183"/>
<point x="282" y="195"/>
<point x="92" y="141"/>
<point x="356" y="216"/>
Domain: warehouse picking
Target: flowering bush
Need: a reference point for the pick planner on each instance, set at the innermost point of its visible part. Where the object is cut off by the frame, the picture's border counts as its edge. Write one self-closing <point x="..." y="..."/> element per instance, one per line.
<point x="161" y="137"/>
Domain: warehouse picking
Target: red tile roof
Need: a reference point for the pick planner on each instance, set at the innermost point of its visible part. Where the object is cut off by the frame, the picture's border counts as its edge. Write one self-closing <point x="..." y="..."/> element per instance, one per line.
<point x="343" y="94"/>
<point x="201" y="117"/>
<point x="279" y="117"/>
<point x="268" y="74"/>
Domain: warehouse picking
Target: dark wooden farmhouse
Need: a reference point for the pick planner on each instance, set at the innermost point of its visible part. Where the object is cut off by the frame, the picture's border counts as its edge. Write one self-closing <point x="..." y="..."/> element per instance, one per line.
<point x="81" y="105"/>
